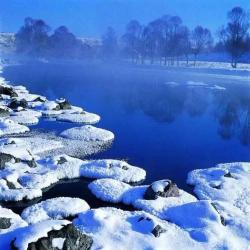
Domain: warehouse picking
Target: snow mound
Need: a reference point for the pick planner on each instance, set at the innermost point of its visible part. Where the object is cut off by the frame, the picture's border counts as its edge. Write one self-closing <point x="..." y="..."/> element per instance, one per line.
<point x="26" y="117"/>
<point x="88" y="133"/>
<point x="21" y="237"/>
<point x="56" y="208"/>
<point x="115" y="191"/>
<point x="10" y="221"/>
<point x="111" y="228"/>
<point x="86" y="118"/>
<point x="8" y="127"/>
<point x="228" y="187"/>
<point x="115" y="169"/>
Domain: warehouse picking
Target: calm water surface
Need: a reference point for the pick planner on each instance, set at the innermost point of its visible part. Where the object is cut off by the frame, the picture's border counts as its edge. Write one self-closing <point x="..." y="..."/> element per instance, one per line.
<point x="166" y="128"/>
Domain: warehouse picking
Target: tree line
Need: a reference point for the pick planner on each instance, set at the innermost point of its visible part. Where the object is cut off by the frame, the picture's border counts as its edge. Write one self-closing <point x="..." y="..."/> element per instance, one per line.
<point x="166" y="40"/>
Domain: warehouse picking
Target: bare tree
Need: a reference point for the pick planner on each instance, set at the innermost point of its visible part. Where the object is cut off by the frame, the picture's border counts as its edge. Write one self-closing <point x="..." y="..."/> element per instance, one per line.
<point x="234" y="35"/>
<point x="201" y="40"/>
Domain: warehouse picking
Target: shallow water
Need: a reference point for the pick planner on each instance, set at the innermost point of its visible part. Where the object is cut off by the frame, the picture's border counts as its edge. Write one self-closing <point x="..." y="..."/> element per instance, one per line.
<point x="168" y="129"/>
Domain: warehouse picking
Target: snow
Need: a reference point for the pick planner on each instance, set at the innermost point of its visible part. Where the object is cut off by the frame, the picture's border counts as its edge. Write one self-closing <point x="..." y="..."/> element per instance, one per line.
<point x="86" y="118"/>
<point x="25" y="235"/>
<point x="26" y="116"/>
<point x="159" y="186"/>
<point x="112" y="228"/>
<point x="58" y="242"/>
<point x="15" y="220"/>
<point x="56" y="208"/>
<point x="228" y="187"/>
<point x="116" y="191"/>
<point x="8" y="127"/>
<point x="88" y="133"/>
<point x="28" y="182"/>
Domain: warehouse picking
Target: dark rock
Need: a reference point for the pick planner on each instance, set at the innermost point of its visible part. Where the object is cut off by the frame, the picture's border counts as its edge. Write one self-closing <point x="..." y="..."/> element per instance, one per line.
<point x="10" y="185"/>
<point x="74" y="240"/>
<point x="170" y="190"/>
<point x="4" y="158"/>
<point x="64" y="104"/>
<point x="18" y="103"/>
<point x="8" y="91"/>
<point x="124" y="167"/>
<point x="4" y="112"/>
<point x="39" y="99"/>
<point x="222" y="219"/>
<point x="31" y="163"/>
<point x="61" y="160"/>
<point x="5" y="223"/>
<point x="158" y="230"/>
<point x="229" y="175"/>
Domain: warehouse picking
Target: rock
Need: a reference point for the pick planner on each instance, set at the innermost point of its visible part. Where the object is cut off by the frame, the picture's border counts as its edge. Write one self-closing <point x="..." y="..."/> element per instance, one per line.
<point x="222" y="219"/>
<point x="18" y="103"/>
<point x="61" y="160"/>
<point x="32" y="163"/>
<point x="7" y="91"/>
<point x="158" y="230"/>
<point x="162" y="188"/>
<point x="4" y="112"/>
<point x="5" y="158"/>
<point x="229" y="175"/>
<point x="69" y="237"/>
<point x="39" y="99"/>
<point x="5" y="223"/>
<point x="64" y="104"/>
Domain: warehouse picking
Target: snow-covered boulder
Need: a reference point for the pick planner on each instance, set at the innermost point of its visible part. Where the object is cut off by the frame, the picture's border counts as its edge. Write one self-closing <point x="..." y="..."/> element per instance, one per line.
<point x="85" y="117"/>
<point x="116" y="191"/>
<point x="228" y="187"/>
<point x="8" y="127"/>
<point x="25" y="116"/>
<point x="88" y="133"/>
<point x="162" y="188"/>
<point x="56" y="208"/>
<point x="113" y="228"/>
<point x="9" y="221"/>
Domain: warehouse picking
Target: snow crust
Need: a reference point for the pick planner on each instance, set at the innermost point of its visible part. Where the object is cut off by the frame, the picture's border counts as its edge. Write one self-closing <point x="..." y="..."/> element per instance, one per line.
<point x="228" y="187"/>
<point x="15" y="220"/>
<point x="56" y="208"/>
<point x="88" y="133"/>
<point x="85" y="117"/>
<point x="8" y="127"/>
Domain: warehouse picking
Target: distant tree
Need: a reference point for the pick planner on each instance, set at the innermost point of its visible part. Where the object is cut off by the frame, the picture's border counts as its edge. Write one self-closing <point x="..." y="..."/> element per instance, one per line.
<point x="184" y="43"/>
<point x="131" y="39"/>
<point x="235" y="35"/>
<point x="32" y="38"/>
<point x="64" y="44"/>
<point x="109" y="44"/>
<point x="201" y="40"/>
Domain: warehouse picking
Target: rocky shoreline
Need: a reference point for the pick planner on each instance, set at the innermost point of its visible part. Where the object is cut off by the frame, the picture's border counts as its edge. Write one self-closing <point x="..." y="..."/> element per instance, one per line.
<point x="165" y="216"/>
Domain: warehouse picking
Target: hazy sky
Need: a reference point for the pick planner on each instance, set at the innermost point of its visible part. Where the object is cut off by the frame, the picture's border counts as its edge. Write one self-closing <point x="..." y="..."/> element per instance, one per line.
<point x="89" y="18"/>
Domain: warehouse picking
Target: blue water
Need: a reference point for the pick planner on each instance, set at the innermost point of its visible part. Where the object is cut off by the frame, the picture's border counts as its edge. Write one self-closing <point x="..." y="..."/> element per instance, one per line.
<point x="167" y="130"/>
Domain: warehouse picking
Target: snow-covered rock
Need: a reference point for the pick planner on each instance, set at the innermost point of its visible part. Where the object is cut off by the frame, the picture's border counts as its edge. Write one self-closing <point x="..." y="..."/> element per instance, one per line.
<point x="85" y="117"/>
<point x="88" y="133"/>
<point x="8" y="127"/>
<point x="112" y="228"/>
<point x="9" y="221"/>
<point x="22" y="237"/>
<point x="24" y="118"/>
<point x="56" y="208"/>
<point x="116" y="191"/>
<point x="228" y="187"/>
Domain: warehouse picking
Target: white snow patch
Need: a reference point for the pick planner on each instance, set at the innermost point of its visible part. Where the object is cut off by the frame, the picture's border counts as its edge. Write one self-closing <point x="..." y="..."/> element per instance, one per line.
<point x="88" y="133"/>
<point x="56" y="208"/>
<point x="8" y="127"/>
<point x="86" y="118"/>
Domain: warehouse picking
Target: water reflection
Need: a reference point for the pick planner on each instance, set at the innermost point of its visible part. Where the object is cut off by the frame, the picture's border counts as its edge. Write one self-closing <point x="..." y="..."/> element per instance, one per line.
<point x="168" y="122"/>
